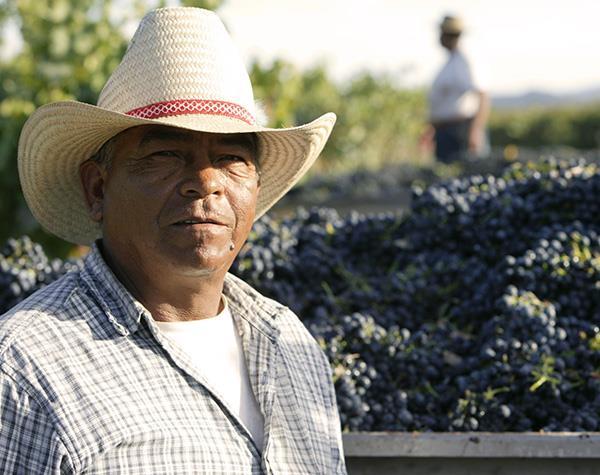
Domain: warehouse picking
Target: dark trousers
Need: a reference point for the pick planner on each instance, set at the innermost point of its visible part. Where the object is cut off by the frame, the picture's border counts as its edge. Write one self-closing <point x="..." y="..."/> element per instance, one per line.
<point x="452" y="140"/>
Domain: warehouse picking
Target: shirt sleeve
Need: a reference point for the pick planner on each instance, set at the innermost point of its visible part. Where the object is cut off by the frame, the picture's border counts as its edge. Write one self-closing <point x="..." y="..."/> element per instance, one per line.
<point x="335" y="428"/>
<point x="477" y="74"/>
<point x="28" y="440"/>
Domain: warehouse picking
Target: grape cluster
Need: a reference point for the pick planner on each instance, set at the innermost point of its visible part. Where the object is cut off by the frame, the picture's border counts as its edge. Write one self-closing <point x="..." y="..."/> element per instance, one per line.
<point x="25" y="268"/>
<point x="477" y="311"/>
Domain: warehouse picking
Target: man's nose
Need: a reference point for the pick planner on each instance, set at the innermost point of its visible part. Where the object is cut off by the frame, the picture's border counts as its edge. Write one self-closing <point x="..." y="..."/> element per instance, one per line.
<point x="202" y="180"/>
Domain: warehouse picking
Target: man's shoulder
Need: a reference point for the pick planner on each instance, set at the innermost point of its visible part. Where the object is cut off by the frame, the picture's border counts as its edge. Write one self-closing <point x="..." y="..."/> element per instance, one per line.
<point x="35" y="318"/>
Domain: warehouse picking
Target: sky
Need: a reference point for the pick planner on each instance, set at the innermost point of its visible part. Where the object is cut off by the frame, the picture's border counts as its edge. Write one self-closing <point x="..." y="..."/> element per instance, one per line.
<point x="514" y="45"/>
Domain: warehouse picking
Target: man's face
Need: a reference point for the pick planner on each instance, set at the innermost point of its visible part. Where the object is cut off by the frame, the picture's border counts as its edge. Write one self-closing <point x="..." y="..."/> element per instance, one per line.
<point x="178" y="201"/>
<point x="449" y="40"/>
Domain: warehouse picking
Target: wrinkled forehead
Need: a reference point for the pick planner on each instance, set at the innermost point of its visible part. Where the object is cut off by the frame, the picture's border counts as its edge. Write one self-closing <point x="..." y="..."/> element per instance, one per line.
<point x="151" y="133"/>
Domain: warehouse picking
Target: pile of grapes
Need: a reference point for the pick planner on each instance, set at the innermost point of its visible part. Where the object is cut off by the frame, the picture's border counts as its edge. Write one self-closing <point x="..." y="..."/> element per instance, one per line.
<point x="25" y="268"/>
<point x="479" y="310"/>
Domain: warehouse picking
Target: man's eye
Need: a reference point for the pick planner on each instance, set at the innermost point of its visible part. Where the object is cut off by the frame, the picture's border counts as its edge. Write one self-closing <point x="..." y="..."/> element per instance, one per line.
<point x="165" y="153"/>
<point x="231" y="158"/>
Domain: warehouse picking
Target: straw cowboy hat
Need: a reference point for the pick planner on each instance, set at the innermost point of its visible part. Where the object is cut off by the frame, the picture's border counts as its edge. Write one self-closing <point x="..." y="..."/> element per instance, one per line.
<point x="180" y="69"/>
<point x="452" y="25"/>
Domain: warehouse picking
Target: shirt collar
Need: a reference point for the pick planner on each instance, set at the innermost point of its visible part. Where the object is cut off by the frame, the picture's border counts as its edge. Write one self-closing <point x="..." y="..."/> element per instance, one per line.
<point x="121" y="308"/>
<point x="247" y="303"/>
<point x="124" y="312"/>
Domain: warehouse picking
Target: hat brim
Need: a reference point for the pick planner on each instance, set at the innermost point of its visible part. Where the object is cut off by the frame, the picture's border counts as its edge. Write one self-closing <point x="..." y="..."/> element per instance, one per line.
<point x="58" y="137"/>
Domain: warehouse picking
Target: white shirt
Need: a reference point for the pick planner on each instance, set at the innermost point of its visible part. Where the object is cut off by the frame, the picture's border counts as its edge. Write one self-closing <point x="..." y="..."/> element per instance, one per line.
<point x="215" y="347"/>
<point x="454" y="93"/>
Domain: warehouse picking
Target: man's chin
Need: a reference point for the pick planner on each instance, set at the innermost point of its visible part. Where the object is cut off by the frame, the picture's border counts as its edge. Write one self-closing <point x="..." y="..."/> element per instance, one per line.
<point x="199" y="263"/>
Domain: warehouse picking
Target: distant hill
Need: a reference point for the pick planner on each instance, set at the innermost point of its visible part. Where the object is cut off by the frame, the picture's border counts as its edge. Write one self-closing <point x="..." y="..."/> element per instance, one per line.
<point x="545" y="99"/>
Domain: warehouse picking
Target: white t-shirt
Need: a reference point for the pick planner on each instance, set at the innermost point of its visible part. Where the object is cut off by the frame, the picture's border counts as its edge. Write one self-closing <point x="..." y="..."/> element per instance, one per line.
<point x="454" y="93"/>
<point x="215" y="347"/>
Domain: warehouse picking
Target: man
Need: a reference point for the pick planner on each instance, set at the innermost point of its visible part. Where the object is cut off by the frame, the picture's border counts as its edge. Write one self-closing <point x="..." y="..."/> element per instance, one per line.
<point x="459" y="108"/>
<point x="152" y="358"/>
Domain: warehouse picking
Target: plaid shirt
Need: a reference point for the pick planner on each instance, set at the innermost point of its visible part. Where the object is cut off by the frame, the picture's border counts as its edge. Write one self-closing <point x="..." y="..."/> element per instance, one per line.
<point x="88" y="384"/>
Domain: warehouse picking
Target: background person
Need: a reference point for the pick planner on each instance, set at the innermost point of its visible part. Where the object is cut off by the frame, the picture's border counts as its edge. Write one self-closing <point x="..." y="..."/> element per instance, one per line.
<point x="458" y="107"/>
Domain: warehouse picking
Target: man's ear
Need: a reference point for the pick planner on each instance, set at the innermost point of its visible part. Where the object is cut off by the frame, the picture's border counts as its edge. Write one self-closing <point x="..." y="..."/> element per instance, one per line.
<point x="93" y="178"/>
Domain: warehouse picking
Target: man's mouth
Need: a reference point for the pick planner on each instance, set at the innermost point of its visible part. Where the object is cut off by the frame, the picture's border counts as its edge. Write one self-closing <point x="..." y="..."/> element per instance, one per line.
<point x="191" y="222"/>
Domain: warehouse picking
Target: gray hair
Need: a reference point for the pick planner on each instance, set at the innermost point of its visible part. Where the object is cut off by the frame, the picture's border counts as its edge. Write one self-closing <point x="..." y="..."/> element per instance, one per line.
<point x="104" y="155"/>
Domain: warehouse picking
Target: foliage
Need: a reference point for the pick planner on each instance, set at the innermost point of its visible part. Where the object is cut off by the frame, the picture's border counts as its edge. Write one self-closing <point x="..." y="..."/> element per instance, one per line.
<point x="378" y="121"/>
<point x="61" y="45"/>
<point x="577" y="127"/>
